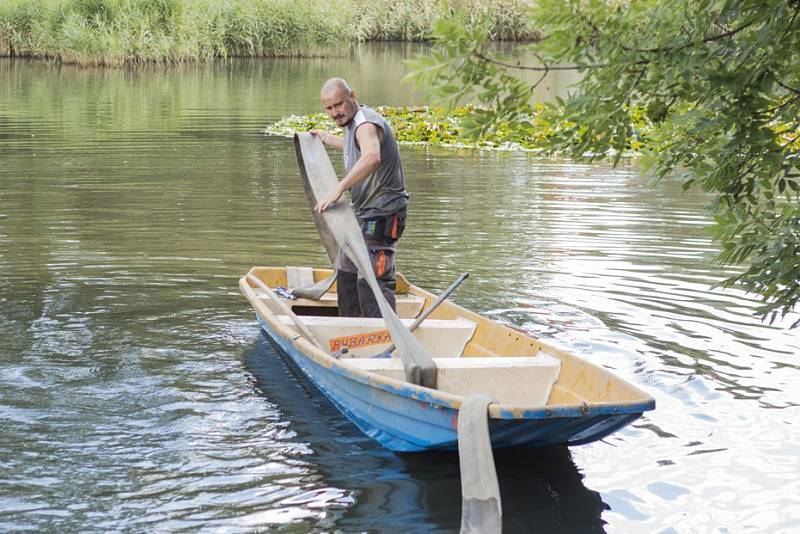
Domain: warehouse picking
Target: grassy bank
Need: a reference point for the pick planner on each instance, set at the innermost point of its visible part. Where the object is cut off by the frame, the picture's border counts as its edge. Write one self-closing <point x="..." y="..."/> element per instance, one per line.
<point x="114" y="32"/>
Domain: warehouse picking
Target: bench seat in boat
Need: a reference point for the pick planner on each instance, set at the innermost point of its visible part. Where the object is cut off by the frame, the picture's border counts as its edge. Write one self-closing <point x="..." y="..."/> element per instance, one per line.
<point x="365" y="337"/>
<point x="513" y="380"/>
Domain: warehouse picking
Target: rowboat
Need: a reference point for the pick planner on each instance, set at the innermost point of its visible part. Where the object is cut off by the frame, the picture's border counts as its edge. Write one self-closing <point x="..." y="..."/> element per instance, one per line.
<point x="542" y="395"/>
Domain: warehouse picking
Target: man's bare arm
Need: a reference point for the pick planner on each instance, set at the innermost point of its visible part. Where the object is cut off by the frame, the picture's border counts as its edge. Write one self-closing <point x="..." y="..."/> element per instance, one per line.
<point x="368" y="140"/>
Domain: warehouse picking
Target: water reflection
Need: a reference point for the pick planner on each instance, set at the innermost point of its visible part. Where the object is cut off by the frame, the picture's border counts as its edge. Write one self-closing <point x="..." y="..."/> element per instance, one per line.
<point x="132" y="200"/>
<point x="542" y="489"/>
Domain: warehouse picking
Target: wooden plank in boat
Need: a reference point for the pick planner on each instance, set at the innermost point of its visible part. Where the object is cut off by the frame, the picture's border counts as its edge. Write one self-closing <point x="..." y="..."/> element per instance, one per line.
<point x="365" y="337"/>
<point x="514" y="380"/>
<point x="408" y="306"/>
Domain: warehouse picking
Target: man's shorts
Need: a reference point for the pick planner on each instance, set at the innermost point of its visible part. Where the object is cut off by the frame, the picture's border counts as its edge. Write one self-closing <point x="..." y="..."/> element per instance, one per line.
<point x="380" y="235"/>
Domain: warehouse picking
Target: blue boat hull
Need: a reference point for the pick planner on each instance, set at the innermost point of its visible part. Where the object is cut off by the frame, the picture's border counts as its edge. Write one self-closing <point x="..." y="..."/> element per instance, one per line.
<point x="406" y="418"/>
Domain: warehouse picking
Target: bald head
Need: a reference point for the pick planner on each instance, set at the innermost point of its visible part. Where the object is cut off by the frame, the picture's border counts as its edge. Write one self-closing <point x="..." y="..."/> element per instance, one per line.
<point x="339" y="101"/>
<point x="335" y="85"/>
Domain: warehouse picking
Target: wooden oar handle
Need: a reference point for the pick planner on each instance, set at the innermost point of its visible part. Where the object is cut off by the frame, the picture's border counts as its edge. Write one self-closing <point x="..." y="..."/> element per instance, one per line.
<point x="447" y="292"/>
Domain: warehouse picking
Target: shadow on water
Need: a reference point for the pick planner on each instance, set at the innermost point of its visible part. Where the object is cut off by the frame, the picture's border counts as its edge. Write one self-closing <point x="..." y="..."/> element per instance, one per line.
<point x="542" y="489"/>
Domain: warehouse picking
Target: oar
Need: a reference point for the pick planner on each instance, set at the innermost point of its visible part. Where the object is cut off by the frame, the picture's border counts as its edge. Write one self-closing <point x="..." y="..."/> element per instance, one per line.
<point x="447" y="292"/>
<point x="481" y="509"/>
<point x="340" y="218"/>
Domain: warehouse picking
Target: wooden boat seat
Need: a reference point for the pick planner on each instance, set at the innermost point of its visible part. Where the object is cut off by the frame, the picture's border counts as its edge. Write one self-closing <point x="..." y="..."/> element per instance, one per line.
<point x="365" y="337"/>
<point x="513" y="380"/>
<point x="299" y="277"/>
<point x="408" y="306"/>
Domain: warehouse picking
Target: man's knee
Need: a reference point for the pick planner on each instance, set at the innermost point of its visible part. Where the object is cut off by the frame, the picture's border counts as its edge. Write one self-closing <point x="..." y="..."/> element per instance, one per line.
<point x="368" y="303"/>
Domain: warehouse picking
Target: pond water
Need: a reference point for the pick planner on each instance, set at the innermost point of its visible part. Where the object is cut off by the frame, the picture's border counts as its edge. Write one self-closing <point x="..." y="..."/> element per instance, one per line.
<point x="137" y="392"/>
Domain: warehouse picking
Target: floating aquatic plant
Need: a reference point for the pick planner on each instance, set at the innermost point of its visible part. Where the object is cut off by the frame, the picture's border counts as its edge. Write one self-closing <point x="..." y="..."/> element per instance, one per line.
<point x="439" y="126"/>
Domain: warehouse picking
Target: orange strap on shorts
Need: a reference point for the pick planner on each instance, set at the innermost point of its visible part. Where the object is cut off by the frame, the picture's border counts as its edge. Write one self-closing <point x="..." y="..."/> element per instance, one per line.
<point x="380" y="265"/>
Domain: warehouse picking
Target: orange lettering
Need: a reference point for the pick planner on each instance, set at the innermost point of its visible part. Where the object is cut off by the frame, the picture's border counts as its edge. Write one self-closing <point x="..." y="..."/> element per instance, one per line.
<point x="360" y="340"/>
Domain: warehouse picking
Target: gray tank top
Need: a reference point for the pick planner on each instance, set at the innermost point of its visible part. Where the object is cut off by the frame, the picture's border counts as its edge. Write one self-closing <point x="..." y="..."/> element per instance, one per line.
<point x="384" y="191"/>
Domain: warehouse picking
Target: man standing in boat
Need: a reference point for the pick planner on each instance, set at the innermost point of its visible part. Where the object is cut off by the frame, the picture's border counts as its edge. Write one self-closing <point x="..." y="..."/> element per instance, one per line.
<point x="374" y="176"/>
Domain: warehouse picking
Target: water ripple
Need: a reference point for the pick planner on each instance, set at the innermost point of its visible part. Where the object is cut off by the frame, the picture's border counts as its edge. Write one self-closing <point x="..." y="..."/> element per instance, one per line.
<point x="136" y="392"/>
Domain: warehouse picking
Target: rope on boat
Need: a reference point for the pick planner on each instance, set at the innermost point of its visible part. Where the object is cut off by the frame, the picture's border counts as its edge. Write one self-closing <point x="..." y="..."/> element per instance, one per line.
<point x="339" y="222"/>
<point x="481" y="509"/>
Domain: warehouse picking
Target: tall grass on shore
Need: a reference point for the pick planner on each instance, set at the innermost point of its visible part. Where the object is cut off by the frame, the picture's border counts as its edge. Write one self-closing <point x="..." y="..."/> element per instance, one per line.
<point x="114" y="32"/>
<point x="411" y="20"/>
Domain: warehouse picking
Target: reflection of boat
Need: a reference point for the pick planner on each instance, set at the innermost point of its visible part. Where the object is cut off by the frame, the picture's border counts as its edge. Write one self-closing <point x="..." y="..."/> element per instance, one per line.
<point x="542" y="490"/>
<point x="544" y="396"/>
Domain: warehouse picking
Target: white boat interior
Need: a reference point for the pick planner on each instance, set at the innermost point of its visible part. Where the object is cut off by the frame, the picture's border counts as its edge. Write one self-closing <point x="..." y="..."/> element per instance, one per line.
<point x="367" y="337"/>
<point x="517" y="369"/>
<point x="512" y="380"/>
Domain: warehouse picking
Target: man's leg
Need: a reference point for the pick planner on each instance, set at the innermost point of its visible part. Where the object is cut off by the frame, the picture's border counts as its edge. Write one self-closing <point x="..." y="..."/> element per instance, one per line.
<point x="347" y="287"/>
<point x="347" y="294"/>
<point x="384" y="269"/>
<point x="369" y="306"/>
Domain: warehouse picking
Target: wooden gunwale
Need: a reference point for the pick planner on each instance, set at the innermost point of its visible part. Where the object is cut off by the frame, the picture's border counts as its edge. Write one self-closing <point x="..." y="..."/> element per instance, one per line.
<point x="565" y="401"/>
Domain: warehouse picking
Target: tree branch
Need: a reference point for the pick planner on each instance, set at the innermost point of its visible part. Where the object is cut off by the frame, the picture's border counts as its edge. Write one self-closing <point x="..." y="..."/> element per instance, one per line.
<point x="779" y="107"/>
<point x="545" y="68"/>
<point x="540" y="80"/>
<point x="708" y="39"/>
<point x="787" y="87"/>
<point x="790" y="141"/>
